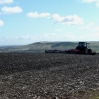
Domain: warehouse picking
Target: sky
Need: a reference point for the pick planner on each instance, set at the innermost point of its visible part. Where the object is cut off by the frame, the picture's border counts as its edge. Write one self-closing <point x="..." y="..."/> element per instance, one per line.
<point x="24" y="22"/>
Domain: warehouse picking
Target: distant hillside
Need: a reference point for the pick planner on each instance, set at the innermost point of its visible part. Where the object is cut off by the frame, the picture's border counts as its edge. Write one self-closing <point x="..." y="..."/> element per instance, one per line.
<point x="40" y="47"/>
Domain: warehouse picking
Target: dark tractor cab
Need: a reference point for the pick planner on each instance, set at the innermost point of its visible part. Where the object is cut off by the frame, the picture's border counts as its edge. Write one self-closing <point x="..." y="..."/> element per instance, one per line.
<point x="82" y="46"/>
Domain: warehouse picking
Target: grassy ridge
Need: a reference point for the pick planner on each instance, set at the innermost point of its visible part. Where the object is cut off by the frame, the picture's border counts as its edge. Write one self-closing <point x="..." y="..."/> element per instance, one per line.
<point x="42" y="46"/>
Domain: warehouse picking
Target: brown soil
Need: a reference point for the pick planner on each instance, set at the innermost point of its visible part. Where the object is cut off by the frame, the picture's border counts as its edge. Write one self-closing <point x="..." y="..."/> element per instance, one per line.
<point x="48" y="76"/>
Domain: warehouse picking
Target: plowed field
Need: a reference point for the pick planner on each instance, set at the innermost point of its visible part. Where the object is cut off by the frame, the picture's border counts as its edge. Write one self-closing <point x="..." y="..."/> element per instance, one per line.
<point x="46" y="76"/>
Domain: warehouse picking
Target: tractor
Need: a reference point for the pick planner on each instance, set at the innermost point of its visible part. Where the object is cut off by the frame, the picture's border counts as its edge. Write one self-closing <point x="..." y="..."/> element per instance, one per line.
<point x="82" y="47"/>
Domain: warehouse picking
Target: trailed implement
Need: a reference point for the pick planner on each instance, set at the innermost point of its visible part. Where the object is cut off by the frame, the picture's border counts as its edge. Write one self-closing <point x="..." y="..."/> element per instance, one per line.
<point x="82" y="48"/>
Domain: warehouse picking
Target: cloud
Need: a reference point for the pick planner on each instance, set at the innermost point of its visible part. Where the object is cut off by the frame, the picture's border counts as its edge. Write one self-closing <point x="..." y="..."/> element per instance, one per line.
<point x="96" y="28"/>
<point x="90" y="1"/>
<point x="97" y="4"/>
<point x="92" y="36"/>
<point x="11" y="10"/>
<point x="70" y="19"/>
<point x="42" y="37"/>
<point x="58" y="30"/>
<point x="9" y="38"/>
<point x="36" y="14"/>
<point x="89" y="26"/>
<point x="49" y="36"/>
<point x="24" y="37"/>
<point x="1" y="23"/>
<point x="6" y="1"/>
<point x="46" y="36"/>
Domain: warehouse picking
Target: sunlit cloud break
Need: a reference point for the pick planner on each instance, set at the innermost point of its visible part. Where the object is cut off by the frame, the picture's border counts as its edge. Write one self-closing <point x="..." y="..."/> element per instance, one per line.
<point x="6" y="1"/>
<point x="11" y="10"/>
<point x="1" y="23"/>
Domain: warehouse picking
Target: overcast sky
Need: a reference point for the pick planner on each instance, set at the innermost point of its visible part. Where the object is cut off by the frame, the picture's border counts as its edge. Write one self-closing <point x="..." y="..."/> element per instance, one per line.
<point x="29" y="21"/>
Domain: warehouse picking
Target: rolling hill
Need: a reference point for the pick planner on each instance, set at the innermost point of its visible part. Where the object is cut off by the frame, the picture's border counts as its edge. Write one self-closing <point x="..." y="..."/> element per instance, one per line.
<point x="40" y="47"/>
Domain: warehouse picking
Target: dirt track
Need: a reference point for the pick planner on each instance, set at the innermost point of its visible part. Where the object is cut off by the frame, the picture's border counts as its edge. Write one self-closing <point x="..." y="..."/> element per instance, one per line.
<point x="25" y="76"/>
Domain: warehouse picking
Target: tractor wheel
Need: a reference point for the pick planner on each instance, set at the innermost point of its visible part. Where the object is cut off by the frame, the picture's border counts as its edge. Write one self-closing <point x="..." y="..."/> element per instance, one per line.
<point x="89" y="51"/>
